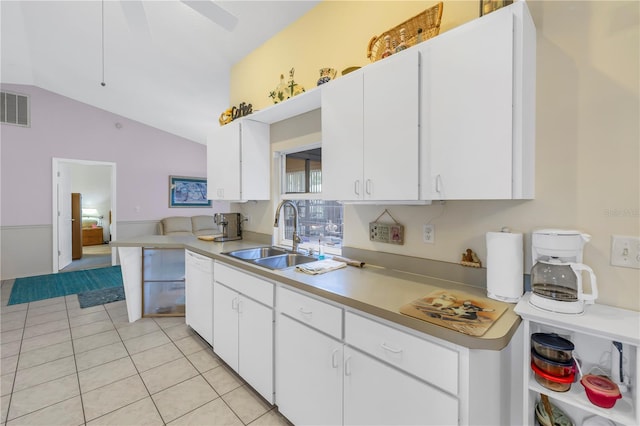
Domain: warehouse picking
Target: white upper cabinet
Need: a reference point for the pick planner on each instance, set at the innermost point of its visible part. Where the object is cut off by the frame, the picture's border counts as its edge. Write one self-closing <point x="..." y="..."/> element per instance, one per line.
<point x="477" y="102"/>
<point x="370" y="132"/>
<point x="238" y="162"/>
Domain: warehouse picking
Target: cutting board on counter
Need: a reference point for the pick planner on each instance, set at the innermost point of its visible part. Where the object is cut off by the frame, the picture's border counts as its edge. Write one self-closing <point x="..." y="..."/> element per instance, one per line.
<point x="459" y="311"/>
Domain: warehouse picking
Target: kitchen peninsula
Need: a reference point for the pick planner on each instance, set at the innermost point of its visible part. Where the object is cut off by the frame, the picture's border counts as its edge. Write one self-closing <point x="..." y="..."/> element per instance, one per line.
<point x="357" y="311"/>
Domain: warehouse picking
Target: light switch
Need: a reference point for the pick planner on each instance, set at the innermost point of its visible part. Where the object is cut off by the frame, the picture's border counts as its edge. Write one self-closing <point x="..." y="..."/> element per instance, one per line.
<point x="625" y="251"/>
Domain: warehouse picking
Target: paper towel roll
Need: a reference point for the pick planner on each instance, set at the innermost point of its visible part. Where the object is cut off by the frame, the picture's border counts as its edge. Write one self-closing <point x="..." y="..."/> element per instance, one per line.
<point x="505" y="266"/>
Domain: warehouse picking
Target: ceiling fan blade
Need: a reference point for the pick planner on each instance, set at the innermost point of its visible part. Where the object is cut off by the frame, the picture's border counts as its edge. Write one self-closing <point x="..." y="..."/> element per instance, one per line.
<point x="136" y="18"/>
<point x="215" y="13"/>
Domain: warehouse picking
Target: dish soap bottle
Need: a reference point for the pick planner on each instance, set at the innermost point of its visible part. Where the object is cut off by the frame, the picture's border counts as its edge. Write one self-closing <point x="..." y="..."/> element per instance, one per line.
<point x="320" y="248"/>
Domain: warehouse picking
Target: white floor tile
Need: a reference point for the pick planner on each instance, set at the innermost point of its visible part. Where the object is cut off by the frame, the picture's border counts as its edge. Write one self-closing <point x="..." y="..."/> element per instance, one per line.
<point x="144" y="412"/>
<point x="43" y="395"/>
<point x="65" y="413"/>
<point x="183" y="398"/>
<point x="112" y="397"/>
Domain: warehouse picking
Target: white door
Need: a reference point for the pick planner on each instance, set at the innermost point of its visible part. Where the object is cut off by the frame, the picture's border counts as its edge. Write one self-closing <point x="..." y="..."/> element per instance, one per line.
<point x="309" y="374"/>
<point x="225" y="324"/>
<point x="376" y="394"/>
<point x="64" y="214"/>
<point x="223" y="163"/>
<point x="467" y="101"/>
<point x="391" y="132"/>
<point x="342" y="138"/>
<point x="255" y="352"/>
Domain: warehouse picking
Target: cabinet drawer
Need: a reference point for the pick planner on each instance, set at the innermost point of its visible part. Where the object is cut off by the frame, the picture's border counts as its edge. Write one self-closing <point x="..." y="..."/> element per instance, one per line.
<point x="319" y="315"/>
<point x="429" y="361"/>
<point x="256" y="288"/>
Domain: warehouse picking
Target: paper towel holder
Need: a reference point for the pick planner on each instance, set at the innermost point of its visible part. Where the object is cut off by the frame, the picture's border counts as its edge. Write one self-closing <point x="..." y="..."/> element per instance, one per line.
<point x="505" y="259"/>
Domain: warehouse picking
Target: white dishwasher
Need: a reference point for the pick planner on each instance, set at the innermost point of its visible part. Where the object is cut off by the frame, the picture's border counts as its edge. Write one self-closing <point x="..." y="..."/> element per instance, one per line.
<point x="199" y="294"/>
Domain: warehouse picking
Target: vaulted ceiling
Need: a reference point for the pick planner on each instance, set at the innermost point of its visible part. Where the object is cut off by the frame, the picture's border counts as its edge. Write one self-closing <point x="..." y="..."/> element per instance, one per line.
<point x="164" y="63"/>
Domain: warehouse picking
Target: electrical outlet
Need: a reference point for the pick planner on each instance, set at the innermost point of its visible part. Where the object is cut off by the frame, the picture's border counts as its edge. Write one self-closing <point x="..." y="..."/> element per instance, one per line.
<point x="625" y="251"/>
<point x="429" y="234"/>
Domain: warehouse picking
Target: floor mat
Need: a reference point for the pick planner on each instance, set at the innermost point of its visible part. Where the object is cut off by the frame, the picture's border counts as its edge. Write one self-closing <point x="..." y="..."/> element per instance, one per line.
<point x="100" y="297"/>
<point x="30" y="289"/>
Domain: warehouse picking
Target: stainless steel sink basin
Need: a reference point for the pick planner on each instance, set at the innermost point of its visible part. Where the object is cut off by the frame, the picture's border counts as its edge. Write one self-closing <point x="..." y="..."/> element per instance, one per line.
<point x="284" y="261"/>
<point x="271" y="257"/>
<point x="256" y="253"/>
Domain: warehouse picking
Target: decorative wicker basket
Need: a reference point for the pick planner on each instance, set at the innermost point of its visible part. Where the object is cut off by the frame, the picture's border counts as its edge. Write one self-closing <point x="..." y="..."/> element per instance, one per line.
<point x="428" y="20"/>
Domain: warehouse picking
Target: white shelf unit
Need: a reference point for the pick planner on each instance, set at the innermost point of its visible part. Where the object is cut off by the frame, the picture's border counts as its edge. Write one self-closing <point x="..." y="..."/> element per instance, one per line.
<point x="592" y="333"/>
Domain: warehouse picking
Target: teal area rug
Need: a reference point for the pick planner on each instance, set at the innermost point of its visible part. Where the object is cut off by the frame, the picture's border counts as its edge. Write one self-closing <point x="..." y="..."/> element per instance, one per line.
<point x="30" y="289"/>
<point x="100" y="297"/>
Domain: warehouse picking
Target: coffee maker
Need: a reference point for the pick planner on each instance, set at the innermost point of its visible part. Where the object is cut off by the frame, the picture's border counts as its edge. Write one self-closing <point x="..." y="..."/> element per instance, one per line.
<point x="231" y="224"/>
<point x="556" y="275"/>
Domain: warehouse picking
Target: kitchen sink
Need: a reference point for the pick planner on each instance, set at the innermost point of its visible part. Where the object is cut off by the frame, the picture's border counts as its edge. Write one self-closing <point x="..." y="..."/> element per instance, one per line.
<point x="284" y="261"/>
<point x="271" y="257"/>
<point x="256" y="253"/>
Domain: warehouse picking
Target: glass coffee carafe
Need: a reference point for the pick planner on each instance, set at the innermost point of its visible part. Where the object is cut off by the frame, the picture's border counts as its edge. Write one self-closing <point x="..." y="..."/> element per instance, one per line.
<point x="556" y="276"/>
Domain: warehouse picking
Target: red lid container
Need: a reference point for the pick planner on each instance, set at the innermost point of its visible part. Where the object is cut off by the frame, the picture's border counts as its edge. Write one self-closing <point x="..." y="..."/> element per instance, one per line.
<point x="600" y="390"/>
<point x="549" y="381"/>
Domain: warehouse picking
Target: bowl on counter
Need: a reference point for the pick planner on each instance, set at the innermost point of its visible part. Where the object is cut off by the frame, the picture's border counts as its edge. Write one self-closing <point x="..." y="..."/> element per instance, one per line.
<point x="600" y="390"/>
<point x="552" y="347"/>
<point x="549" y="381"/>
<point x="554" y="368"/>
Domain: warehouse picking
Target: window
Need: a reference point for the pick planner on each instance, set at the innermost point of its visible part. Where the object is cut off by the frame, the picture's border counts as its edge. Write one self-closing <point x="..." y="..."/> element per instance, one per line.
<point x="318" y="220"/>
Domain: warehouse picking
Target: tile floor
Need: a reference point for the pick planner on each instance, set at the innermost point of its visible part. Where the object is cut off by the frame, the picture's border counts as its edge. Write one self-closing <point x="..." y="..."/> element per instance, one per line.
<point x="62" y="365"/>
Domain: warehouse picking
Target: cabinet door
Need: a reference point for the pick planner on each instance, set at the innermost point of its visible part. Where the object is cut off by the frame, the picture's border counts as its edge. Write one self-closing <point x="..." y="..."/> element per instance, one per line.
<point x="467" y="95"/>
<point x="375" y="393"/>
<point x="391" y="144"/>
<point x="342" y="138"/>
<point x="199" y="294"/>
<point x="255" y="351"/>
<point x="225" y="324"/>
<point x="309" y="374"/>
<point x="223" y="163"/>
<point x="255" y="161"/>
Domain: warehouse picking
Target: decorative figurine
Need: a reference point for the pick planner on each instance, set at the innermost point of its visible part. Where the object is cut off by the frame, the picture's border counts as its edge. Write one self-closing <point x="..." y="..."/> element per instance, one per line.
<point x="286" y="91"/>
<point x="469" y="258"/>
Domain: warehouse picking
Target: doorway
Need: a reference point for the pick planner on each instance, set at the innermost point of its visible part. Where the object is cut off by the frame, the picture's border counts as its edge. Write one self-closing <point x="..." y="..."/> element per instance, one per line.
<point x="96" y="180"/>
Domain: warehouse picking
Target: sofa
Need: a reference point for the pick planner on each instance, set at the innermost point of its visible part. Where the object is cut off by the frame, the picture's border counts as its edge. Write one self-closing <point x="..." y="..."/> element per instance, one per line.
<point x="189" y="225"/>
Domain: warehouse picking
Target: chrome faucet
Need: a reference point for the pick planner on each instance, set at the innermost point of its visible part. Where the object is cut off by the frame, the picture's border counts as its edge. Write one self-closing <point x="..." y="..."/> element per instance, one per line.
<point x="296" y="237"/>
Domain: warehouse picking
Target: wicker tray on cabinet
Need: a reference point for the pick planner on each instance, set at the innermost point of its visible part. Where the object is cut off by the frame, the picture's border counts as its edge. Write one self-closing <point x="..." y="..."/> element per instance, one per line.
<point x="428" y="20"/>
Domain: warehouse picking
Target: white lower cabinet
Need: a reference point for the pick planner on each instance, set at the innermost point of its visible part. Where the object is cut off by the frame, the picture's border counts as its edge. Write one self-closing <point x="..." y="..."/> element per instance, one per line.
<point x="375" y="393"/>
<point x="309" y="374"/>
<point x="199" y="294"/>
<point x="322" y="379"/>
<point x="243" y="326"/>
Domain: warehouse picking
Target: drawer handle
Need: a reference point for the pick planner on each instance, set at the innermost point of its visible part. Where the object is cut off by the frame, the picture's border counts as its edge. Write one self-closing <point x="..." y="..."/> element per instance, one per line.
<point x="334" y="358"/>
<point x="390" y="349"/>
<point x="305" y="312"/>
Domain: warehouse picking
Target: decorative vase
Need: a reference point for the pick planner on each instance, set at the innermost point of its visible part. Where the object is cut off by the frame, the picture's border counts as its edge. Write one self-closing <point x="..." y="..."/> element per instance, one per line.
<point x="326" y="75"/>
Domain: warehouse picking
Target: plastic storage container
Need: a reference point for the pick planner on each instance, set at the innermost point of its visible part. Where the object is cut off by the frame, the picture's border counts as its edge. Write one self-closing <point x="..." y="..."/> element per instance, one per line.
<point x="558" y="369"/>
<point x="552" y="347"/>
<point x="549" y="381"/>
<point x="600" y="390"/>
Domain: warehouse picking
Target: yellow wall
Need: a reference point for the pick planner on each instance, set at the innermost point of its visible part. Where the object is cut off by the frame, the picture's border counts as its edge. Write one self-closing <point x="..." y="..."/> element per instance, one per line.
<point x="587" y="131"/>
<point x="334" y="34"/>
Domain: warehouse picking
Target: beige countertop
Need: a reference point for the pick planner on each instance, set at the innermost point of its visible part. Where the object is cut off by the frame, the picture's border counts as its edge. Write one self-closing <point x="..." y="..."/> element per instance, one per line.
<point x="375" y="290"/>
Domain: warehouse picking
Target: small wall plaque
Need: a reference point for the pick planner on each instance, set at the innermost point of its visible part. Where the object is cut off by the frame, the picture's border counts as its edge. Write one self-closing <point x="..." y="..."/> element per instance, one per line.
<point x="391" y="233"/>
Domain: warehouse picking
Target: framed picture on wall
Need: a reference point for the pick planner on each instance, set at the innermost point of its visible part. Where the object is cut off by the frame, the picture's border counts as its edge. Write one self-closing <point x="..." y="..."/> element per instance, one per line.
<point x="488" y="6"/>
<point x="188" y="192"/>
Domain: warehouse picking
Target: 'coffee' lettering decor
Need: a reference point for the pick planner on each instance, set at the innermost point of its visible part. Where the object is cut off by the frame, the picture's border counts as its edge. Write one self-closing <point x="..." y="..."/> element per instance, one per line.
<point x="235" y="112"/>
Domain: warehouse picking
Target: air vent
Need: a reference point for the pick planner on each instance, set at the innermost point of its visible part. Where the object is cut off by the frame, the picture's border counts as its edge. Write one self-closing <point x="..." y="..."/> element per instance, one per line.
<point x="14" y="109"/>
